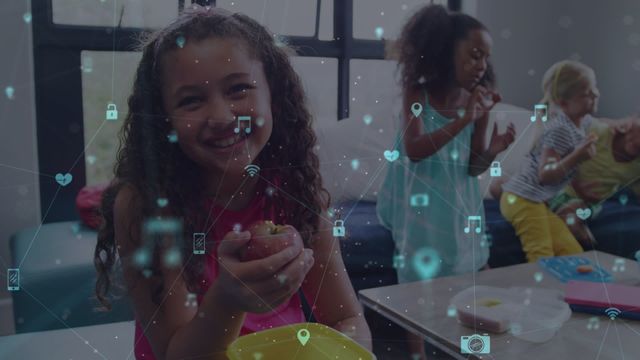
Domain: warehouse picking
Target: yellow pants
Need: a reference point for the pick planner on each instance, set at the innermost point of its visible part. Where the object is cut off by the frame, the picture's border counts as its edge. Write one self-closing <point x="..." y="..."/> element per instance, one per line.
<point x="542" y="233"/>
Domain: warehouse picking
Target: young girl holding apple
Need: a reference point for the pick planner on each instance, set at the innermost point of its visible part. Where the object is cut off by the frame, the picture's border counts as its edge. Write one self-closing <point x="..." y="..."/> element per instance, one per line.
<point x="447" y="84"/>
<point x="197" y="79"/>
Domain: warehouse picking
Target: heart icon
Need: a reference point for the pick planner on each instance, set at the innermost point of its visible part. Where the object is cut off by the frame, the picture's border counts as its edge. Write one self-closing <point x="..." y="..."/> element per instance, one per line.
<point x="27" y="17"/>
<point x="162" y="202"/>
<point x="391" y="155"/>
<point x="91" y="159"/>
<point x="461" y="112"/>
<point x="583" y="213"/>
<point x="64" y="179"/>
<point x="511" y="199"/>
<point x="367" y="119"/>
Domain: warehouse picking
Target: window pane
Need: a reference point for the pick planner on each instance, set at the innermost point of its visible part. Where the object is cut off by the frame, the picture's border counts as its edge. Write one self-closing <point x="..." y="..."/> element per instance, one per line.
<point x="326" y="20"/>
<point x="127" y="13"/>
<point x="320" y="81"/>
<point x="390" y="16"/>
<point x="374" y="91"/>
<point x="289" y="17"/>
<point x="100" y="86"/>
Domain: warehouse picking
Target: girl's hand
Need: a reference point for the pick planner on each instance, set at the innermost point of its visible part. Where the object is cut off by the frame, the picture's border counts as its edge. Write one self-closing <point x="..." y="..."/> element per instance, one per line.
<point x="586" y="150"/>
<point x="500" y="142"/>
<point x="481" y="101"/>
<point x="258" y="286"/>
<point x="584" y="189"/>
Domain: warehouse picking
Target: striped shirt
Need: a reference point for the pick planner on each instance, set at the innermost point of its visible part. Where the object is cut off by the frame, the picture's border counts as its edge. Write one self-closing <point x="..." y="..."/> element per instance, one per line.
<point x="561" y="135"/>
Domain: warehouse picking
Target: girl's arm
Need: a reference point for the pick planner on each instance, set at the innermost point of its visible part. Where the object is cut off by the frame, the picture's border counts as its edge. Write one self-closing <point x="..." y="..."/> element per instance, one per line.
<point x="328" y="289"/>
<point x="553" y="168"/>
<point x="177" y="331"/>
<point x="418" y="144"/>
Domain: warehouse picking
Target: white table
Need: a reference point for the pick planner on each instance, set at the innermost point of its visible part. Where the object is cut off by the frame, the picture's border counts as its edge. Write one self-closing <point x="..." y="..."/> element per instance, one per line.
<point x="421" y="308"/>
<point x="106" y="341"/>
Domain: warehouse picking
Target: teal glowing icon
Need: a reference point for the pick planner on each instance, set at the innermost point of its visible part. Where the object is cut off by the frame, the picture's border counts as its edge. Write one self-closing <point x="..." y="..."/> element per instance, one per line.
<point x="475" y="344"/>
<point x="91" y="159"/>
<point x="495" y="170"/>
<point x="426" y="262"/>
<point x="398" y="261"/>
<point x="243" y="120"/>
<point x="355" y="164"/>
<point x="64" y="179"/>
<point x="87" y="64"/>
<point x="13" y="279"/>
<point x="379" y="32"/>
<point x="416" y="109"/>
<point x="303" y="336"/>
<point x="452" y="311"/>
<point x="141" y="258"/>
<point x="9" y="91"/>
<point x="461" y="112"/>
<point x="471" y="223"/>
<point x="162" y="202"/>
<point x="338" y="228"/>
<point x="419" y="200"/>
<point x="583" y="213"/>
<point x="455" y="154"/>
<point x="172" y="137"/>
<point x="368" y="119"/>
<point x="593" y="324"/>
<point x="538" y="276"/>
<point x="637" y="256"/>
<point x="199" y="243"/>
<point x="27" y="17"/>
<point x="172" y="257"/>
<point x="624" y="199"/>
<point x="252" y="169"/>
<point x="391" y="156"/>
<point x="539" y="111"/>
<point x="112" y="112"/>
<point x="613" y="312"/>
<point x="180" y="40"/>
<point x="618" y="265"/>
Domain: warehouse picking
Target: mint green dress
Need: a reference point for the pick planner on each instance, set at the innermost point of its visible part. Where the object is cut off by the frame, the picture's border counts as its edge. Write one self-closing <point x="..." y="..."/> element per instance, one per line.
<point x="428" y="205"/>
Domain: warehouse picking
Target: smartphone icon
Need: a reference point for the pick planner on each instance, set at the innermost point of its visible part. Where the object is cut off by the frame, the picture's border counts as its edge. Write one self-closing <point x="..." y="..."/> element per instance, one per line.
<point x="198" y="243"/>
<point x="13" y="279"/>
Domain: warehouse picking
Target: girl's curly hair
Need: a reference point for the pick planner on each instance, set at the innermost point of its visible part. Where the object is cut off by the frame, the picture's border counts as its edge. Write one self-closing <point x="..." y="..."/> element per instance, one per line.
<point x="155" y="168"/>
<point x="426" y="48"/>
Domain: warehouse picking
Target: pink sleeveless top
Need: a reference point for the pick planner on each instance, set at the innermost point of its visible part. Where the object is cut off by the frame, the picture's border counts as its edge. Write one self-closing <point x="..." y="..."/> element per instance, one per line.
<point x="290" y="312"/>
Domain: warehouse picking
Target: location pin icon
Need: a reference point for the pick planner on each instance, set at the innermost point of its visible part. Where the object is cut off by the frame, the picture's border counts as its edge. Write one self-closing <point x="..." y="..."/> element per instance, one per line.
<point x="416" y="109"/>
<point x="303" y="336"/>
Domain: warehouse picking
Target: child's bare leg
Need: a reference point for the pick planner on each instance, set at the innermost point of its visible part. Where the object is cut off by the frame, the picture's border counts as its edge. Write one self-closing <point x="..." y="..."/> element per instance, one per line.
<point x="416" y="347"/>
<point x="578" y="228"/>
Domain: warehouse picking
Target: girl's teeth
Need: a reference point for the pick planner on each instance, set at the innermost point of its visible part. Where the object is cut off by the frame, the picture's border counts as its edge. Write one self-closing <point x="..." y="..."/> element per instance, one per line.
<point x="228" y="141"/>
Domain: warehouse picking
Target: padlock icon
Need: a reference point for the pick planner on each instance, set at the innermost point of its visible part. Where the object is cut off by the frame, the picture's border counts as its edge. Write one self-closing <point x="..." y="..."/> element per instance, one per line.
<point x="495" y="170"/>
<point x="112" y="112"/>
<point x="338" y="228"/>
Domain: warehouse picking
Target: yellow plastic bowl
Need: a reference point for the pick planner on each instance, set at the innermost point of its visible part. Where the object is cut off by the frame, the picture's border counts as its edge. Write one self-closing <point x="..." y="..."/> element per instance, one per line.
<point x="282" y="343"/>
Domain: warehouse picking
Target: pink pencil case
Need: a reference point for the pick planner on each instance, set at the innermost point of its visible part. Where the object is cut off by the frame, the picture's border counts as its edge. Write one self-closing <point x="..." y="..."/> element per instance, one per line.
<point x="603" y="295"/>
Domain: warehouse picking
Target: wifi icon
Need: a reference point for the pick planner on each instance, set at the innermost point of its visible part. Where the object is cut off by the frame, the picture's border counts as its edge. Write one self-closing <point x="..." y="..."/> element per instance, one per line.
<point x="613" y="312"/>
<point x="252" y="169"/>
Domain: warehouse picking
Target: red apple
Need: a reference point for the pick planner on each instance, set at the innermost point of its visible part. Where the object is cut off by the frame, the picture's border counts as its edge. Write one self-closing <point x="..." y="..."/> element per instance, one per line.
<point x="268" y="238"/>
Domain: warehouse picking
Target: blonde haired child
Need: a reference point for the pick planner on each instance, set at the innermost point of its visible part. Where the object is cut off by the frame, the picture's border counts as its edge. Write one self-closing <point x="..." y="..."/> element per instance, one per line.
<point x="571" y="95"/>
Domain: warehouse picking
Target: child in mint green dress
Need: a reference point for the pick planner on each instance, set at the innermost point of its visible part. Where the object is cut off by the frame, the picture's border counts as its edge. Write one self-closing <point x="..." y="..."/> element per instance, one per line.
<point x="430" y="199"/>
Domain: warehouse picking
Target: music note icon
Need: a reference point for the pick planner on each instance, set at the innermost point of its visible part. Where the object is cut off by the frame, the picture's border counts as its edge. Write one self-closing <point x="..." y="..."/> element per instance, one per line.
<point x="470" y="220"/>
<point x="618" y="265"/>
<point x="240" y="119"/>
<point x="539" y="109"/>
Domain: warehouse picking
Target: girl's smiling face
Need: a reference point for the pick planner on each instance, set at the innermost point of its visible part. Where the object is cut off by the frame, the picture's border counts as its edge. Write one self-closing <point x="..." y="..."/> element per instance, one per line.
<point x="210" y="90"/>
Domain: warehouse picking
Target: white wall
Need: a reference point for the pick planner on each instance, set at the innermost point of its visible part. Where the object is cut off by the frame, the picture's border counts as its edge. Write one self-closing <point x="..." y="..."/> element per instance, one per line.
<point x="19" y="193"/>
<point x="532" y="35"/>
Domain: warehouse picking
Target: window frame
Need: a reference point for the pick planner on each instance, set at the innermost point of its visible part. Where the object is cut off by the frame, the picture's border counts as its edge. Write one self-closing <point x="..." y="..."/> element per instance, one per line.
<point x="57" y="52"/>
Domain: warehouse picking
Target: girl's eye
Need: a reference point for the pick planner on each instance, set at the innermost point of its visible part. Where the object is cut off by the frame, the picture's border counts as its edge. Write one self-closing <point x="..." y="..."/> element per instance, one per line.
<point x="189" y="100"/>
<point x="239" y="88"/>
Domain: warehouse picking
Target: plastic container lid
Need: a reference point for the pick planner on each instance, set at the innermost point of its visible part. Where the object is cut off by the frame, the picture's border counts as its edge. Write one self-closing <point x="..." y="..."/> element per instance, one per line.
<point x="282" y="343"/>
<point x="530" y="314"/>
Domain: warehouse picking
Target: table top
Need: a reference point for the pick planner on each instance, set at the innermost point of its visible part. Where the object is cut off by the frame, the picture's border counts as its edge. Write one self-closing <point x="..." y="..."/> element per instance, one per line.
<point x="105" y="341"/>
<point x="421" y="307"/>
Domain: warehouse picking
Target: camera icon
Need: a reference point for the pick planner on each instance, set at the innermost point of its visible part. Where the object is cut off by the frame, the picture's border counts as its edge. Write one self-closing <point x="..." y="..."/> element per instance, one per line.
<point x="475" y="344"/>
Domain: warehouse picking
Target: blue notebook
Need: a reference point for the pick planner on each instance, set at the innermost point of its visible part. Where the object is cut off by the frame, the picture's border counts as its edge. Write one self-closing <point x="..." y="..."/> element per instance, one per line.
<point x="565" y="268"/>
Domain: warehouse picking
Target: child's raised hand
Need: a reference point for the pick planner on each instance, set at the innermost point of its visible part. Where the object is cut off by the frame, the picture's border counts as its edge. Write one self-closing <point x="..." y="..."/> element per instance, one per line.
<point x="586" y="150"/>
<point x="481" y="101"/>
<point x="258" y="286"/>
<point x="500" y="142"/>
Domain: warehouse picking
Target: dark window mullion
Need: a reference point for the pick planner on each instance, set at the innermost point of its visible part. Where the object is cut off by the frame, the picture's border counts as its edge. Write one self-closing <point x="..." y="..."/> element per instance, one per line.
<point x="343" y="33"/>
